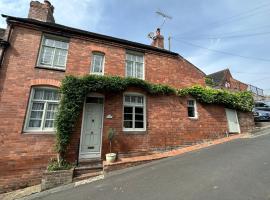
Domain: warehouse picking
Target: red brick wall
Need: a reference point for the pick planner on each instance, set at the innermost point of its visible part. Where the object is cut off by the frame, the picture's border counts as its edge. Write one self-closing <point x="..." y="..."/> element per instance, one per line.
<point x="23" y="156"/>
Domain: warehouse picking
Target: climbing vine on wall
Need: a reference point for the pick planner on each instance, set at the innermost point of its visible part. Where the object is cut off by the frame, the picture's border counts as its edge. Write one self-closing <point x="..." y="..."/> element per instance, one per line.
<point x="236" y="100"/>
<point x="74" y="89"/>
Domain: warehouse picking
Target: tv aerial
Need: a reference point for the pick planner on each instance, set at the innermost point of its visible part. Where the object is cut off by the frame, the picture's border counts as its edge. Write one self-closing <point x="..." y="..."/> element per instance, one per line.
<point x="164" y="16"/>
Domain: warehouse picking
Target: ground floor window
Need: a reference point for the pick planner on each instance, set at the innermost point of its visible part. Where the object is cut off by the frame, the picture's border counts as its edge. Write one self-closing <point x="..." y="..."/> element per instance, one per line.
<point x="42" y="109"/>
<point x="134" y="112"/>
<point x="191" y="108"/>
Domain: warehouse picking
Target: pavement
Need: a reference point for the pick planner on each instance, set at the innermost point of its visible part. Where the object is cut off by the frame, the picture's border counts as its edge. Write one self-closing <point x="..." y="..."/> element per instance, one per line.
<point x="235" y="170"/>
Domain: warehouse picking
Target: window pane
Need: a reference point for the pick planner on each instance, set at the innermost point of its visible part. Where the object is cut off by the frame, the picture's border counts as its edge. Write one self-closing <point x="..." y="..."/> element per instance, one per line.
<point x="50" y="115"/>
<point x="128" y="109"/>
<point x="38" y="94"/>
<point x="139" y="59"/>
<point x="38" y="106"/>
<point x="34" y="123"/>
<point x="138" y="124"/>
<point x="128" y="124"/>
<point x="191" y="102"/>
<point x="138" y="110"/>
<point x="129" y="68"/>
<point x="127" y="116"/>
<point x="133" y="99"/>
<point x="140" y="100"/>
<point x="52" y="107"/>
<point x="60" y="57"/>
<point x="139" y="117"/>
<point x="139" y="70"/>
<point x="50" y="95"/>
<point x="127" y="99"/>
<point x="47" y="56"/>
<point x="49" y="123"/>
<point x="49" y="42"/>
<point x="191" y="112"/>
<point x="36" y="114"/>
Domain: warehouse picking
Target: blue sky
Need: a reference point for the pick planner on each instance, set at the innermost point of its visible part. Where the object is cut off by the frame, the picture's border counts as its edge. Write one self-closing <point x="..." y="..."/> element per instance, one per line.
<point x="233" y="27"/>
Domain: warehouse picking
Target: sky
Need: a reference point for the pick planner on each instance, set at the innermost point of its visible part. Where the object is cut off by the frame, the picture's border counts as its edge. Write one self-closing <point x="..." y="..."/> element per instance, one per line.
<point x="211" y="34"/>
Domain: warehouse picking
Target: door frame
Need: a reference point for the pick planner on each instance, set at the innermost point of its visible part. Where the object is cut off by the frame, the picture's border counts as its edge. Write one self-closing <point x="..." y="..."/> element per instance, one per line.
<point x="89" y="156"/>
<point x="238" y="127"/>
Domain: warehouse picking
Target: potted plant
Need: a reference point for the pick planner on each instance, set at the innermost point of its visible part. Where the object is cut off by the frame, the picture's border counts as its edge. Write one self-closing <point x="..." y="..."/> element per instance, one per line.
<point x="110" y="157"/>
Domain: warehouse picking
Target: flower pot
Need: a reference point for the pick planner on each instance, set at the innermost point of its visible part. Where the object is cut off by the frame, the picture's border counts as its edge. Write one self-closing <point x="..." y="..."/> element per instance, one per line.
<point x="110" y="157"/>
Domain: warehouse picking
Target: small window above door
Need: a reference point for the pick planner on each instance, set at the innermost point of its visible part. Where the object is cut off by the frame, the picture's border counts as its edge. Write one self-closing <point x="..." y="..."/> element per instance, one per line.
<point x="97" y="64"/>
<point x="97" y="100"/>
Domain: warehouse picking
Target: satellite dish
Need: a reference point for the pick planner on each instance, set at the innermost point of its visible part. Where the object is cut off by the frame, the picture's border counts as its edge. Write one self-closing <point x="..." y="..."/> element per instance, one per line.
<point x="151" y="35"/>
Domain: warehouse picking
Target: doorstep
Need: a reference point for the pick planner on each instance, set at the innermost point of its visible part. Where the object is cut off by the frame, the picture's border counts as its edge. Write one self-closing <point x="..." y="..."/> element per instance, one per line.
<point x="133" y="161"/>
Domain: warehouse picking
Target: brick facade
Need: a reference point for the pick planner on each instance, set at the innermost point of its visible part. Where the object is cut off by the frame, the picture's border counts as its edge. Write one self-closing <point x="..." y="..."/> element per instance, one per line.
<point x="24" y="156"/>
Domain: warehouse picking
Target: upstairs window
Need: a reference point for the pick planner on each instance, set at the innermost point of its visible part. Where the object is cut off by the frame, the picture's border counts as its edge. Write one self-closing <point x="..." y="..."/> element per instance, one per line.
<point x="192" y="109"/>
<point x="134" y="65"/>
<point x="53" y="52"/>
<point x="97" y="66"/>
<point x="42" y="110"/>
<point x="134" y="112"/>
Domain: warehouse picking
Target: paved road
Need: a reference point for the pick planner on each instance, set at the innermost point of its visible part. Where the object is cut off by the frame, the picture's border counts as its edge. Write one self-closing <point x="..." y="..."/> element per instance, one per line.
<point x="238" y="170"/>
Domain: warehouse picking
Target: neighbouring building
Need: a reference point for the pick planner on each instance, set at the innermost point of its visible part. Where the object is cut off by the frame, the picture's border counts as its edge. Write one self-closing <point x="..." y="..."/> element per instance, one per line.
<point x="224" y="80"/>
<point x="37" y="53"/>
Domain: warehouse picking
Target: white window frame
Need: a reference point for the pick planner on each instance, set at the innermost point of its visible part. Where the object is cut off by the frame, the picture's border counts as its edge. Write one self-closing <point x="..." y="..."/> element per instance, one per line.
<point x="195" y="109"/>
<point x="41" y="129"/>
<point x="134" y="71"/>
<point x="57" y="38"/>
<point x="92" y="61"/>
<point x="133" y="112"/>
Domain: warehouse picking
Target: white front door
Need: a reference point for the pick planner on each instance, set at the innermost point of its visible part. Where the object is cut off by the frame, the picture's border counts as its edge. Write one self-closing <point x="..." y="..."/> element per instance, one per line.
<point x="232" y="121"/>
<point x="92" y="128"/>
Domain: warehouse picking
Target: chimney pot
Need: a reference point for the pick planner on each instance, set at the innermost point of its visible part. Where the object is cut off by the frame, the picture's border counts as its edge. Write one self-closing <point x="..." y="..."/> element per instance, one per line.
<point x="41" y="11"/>
<point x="158" y="40"/>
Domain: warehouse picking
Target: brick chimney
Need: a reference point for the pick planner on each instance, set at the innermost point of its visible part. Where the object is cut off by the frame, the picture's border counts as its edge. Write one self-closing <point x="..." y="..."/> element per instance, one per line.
<point x="41" y="11"/>
<point x="158" y="40"/>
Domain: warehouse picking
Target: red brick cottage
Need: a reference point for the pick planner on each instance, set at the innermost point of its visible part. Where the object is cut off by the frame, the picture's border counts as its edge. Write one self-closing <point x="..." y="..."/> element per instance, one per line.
<point x="36" y="54"/>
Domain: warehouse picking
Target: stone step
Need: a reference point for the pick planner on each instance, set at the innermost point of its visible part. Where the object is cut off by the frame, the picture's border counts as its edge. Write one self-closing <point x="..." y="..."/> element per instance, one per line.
<point x="88" y="167"/>
<point x="87" y="175"/>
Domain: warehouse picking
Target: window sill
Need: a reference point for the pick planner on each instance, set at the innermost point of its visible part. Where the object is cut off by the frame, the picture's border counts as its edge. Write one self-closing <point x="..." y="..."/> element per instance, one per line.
<point x="38" y="132"/>
<point x="193" y="118"/>
<point x="134" y="132"/>
<point x="98" y="74"/>
<point x="50" y="68"/>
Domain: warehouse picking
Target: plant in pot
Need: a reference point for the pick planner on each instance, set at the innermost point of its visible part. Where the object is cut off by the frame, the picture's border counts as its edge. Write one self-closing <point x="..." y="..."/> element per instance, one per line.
<point x="110" y="157"/>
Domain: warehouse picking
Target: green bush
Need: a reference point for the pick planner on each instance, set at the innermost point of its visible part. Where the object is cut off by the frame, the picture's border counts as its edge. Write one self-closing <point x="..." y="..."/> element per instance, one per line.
<point x="236" y="100"/>
<point x="54" y="165"/>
